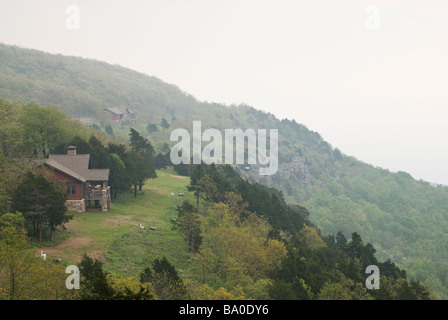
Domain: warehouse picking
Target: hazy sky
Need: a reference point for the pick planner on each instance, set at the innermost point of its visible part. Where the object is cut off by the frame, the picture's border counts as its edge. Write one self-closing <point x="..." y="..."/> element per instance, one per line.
<point x="370" y="76"/>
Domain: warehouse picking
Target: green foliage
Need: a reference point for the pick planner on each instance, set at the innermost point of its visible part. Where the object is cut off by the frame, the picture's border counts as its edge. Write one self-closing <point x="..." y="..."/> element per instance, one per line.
<point x="15" y="220"/>
<point x="405" y="219"/>
<point x="44" y="128"/>
<point x="129" y="167"/>
<point x="140" y="160"/>
<point x="119" y="179"/>
<point x="94" y="280"/>
<point x="151" y="127"/>
<point x="22" y="275"/>
<point x="161" y="161"/>
<point x="139" y="144"/>
<point x="42" y="203"/>
<point x="311" y="267"/>
<point x="336" y="272"/>
<point x="165" y="280"/>
<point x="213" y="182"/>
<point x="182" y="169"/>
<point x="109" y="130"/>
<point x="164" y="124"/>
<point x="98" y="284"/>
<point x="11" y="130"/>
<point x="188" y="222"/>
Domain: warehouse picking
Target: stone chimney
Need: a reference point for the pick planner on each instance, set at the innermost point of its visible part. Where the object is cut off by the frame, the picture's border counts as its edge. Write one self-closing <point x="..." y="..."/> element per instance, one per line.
<point x="71" y="150"/>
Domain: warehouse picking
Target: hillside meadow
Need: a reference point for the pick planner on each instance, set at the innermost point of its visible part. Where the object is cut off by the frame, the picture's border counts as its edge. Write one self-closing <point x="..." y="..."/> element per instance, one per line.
<point x="115" y="237"/>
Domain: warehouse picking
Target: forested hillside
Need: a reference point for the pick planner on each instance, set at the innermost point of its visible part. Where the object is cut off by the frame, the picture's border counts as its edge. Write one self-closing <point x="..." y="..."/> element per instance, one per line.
<point x="241" y="240"/>
<point x="404" y="219"/>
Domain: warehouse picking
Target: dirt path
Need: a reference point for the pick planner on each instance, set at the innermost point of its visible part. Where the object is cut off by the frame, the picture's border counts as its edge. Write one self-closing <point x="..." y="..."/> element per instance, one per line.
<point x="180" y="177"/>
<point x="69" y="249"/>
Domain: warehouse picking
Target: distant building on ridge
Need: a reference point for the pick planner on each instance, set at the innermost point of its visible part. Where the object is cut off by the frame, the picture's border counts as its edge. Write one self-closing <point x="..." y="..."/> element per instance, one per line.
<point x="120" y="115"/>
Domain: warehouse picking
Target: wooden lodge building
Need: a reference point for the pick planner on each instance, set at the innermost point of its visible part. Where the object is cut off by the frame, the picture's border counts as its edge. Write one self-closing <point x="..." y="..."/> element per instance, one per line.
<point x="83" y="184"/>
<point x="120" y="115"/>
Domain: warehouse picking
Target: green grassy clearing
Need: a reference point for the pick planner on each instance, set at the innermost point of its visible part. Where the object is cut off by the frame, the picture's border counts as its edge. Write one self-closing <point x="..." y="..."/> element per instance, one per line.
<point x="116" y="238"/>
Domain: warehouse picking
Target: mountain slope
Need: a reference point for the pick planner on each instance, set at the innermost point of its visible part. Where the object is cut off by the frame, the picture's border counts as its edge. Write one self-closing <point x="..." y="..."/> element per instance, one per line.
<point x="405" y="219"/>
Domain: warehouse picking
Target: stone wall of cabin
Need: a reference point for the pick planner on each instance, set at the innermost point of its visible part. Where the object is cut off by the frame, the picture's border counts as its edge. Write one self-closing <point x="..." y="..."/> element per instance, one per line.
<point x="76" y="205"/>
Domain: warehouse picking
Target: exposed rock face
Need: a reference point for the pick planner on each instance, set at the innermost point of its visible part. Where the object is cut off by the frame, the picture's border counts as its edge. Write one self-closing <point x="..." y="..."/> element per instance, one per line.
<point x="295" y="169"/>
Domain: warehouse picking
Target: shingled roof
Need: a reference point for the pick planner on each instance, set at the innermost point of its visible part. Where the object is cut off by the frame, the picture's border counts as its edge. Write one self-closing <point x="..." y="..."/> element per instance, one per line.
<point x="119" y="111"/>
<point x="77" y="166"/>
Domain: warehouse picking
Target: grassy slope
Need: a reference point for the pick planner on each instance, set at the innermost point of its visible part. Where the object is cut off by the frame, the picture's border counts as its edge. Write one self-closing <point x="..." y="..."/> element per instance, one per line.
<point x="115" y="237"/>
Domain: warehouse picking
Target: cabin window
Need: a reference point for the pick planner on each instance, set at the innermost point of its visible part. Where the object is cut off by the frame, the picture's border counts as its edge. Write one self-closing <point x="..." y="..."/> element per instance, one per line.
<point x="71" y="189"/>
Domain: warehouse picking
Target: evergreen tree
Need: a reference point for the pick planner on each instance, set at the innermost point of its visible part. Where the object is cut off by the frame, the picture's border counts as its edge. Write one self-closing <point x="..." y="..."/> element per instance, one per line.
<point x="189" y="224"/>
<point x="140" y="144"/>
<point x="195" y="176"/>
<point x="165" y="280"/>
<point x="98" y="153"/>
<point x="160" y="161"/>
<point x="151" y="127"/>
<point x="109" y="130"/>
<point x="164" y="124"/>
<point x="94" y="280"/>
<point x="42" y="202"/>
<point x="119" y="179"/>
<point x="140" y="161"/>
